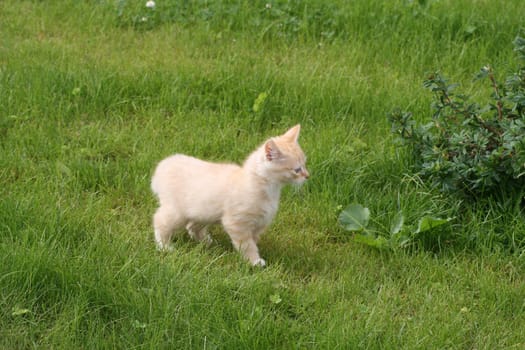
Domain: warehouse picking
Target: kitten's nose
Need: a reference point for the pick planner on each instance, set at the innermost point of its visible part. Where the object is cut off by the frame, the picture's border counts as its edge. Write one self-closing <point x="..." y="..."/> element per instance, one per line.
<point x="306" y="174"/>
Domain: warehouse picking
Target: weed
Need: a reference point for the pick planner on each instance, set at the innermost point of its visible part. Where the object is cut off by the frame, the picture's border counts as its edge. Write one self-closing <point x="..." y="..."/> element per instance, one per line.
<point x="355" y="218"/>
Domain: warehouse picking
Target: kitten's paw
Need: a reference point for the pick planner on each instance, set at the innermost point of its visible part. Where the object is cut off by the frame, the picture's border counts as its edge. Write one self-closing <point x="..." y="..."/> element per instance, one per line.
<point x="162" y="241"/>
<point x="259" y="262"/>
<point x="164" y="248"/>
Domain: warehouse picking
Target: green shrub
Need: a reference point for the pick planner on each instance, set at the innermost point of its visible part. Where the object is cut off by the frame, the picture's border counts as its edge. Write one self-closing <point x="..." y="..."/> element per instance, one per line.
<point x="476" y="150"/>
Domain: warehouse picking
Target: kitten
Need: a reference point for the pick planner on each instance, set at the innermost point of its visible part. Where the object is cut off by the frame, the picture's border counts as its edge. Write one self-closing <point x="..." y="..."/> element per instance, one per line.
<point x="194" y="194"/>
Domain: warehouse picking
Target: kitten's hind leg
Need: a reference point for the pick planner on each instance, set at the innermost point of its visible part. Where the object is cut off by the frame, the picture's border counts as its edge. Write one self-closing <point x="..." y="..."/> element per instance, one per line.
<point x="199" y="232"/>
<point x="165" y="222"/>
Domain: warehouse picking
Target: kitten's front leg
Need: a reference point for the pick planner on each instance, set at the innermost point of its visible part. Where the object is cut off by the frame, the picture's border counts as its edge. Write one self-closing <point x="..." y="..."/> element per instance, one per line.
<point x="247" y="247"/>
<point x="250" y="251"/>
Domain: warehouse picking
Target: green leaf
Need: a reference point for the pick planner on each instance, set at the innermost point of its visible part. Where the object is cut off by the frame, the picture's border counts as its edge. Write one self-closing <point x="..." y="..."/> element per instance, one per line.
<point x="403" y="240"/>
<point x="139" y="325"/>
<point x="17" y="311"/>
<point x="483" y="73"/>
<point x="470" y="29"/>
<point x="275" y="299"/>
<point x="427" y="223"/>
<point x="63" y="169"/>
<point x="397" y="224"/>
<point x="259" y="102"/>
<point x="375" y="242"/>
<point x="76" y="91"/>
<point x="354" y="218"/>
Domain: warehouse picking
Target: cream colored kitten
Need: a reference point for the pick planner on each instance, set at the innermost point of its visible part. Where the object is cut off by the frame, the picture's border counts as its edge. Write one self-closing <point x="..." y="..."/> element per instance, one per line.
<point x="193" y="193"/>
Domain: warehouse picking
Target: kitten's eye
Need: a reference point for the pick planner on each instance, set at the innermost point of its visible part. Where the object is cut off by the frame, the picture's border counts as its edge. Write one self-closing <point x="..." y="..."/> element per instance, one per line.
<point x="297" y="170"/>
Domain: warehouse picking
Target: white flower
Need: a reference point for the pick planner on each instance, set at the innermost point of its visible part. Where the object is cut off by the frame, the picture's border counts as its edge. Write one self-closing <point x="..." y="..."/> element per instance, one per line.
<point x="150" y="4"/>
<point x="268" y="6"/>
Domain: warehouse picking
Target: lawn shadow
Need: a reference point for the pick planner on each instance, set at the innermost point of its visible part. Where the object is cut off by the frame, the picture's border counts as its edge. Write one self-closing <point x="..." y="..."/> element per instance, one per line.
<point x="307" y="258"/>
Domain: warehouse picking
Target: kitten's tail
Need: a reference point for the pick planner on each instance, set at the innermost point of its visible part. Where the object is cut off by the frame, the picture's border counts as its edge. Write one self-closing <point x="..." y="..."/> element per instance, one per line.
<point x="158" y="174"/>
<point x="162" y="170"/>
<point x="155" y="185"/>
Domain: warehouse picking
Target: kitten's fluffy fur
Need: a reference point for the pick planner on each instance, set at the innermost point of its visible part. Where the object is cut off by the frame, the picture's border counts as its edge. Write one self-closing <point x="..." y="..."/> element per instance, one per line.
<point x="193" y="193"/>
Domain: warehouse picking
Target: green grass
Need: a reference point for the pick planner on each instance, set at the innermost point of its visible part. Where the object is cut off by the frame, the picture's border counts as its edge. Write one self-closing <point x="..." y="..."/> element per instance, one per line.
<point x="90" y="102"/>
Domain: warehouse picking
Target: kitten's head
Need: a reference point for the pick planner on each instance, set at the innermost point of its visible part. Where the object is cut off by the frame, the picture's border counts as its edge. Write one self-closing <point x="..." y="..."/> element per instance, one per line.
<point x="285" y="158"/>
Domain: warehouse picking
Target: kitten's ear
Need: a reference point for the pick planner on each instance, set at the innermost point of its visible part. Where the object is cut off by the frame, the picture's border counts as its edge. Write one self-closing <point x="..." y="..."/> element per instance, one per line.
<point x="293" y="133"/>
<point x="271" y="150"/>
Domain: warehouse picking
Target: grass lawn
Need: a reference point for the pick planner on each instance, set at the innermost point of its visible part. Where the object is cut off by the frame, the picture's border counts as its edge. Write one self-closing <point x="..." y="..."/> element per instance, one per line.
<point x="94" y="93"/>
